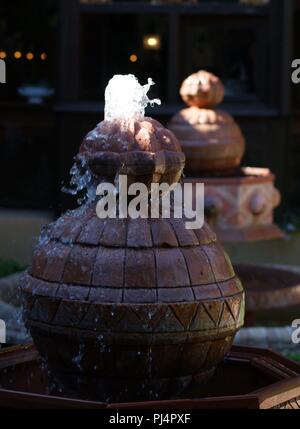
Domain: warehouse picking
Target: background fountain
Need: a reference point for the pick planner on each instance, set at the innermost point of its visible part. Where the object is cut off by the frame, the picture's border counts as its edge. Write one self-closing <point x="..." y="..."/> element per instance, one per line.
<point x="239" y="201"/>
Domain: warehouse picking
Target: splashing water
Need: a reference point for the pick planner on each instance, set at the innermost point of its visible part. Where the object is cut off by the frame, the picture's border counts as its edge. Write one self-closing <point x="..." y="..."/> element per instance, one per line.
<point x="44" y="237"/>
<point x="81" y="181"/>
<point x="80" y="178"/>
<point x="126" y="99"/>
<point x="77" y="360"/>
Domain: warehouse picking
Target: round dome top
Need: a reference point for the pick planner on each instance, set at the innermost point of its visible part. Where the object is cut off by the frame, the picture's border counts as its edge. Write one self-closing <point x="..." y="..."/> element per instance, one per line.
<point x="130" y="261"/>
<point x="143" y="149"/>
<point x="211" y="139"/>
<point x="209" y="126"/>
<point x="119" y="136"/>
<point x="202" y="89"/>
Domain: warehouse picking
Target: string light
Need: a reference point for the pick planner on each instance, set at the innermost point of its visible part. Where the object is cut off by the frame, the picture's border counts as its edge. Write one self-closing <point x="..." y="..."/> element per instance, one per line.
<point x="18" y="54"/>
<point x="133" y="58"/>
<point x="29" y="56"/>
<point x="152" y="42"/>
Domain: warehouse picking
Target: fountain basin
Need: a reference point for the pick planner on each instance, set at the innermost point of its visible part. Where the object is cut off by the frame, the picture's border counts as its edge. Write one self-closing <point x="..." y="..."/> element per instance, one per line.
<point x="248" y="378"/>
<point x="240" y="208"/>
<point x="268" y="288"/>
<point x="270" y="291"/>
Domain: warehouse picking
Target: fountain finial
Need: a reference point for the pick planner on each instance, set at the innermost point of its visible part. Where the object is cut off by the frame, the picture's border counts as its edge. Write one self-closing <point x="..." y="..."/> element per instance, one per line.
<point x="126" y="98"/>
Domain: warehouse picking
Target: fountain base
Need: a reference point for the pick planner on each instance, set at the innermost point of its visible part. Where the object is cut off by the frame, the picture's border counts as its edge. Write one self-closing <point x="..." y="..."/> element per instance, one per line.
<point x="248" y="378"/>
<point x="107" y="373"/>
<point x="126" y="390"/>
<point x="240" y="207"/>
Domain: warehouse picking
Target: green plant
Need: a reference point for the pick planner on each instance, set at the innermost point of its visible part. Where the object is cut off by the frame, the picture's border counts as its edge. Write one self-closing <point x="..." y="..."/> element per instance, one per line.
<point x="290" y="220"/>
<point x="294" y="356"/>
<point x="8" y="267"/>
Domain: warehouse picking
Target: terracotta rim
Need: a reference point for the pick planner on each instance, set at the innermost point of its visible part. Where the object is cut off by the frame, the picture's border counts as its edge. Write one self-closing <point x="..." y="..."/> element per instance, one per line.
<point x="251" y="176"/>
<point x="270" y="288"/>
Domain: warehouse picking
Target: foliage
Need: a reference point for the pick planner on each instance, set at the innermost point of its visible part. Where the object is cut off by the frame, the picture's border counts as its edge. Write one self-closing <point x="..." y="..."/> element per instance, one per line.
<point x="8" y="267"/>
<point x="294" y="356"/>
<point x="290" y="220"/>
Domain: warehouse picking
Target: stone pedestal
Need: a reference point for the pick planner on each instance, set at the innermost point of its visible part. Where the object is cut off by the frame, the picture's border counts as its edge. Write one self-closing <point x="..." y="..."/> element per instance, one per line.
<point x="240" y="208"/>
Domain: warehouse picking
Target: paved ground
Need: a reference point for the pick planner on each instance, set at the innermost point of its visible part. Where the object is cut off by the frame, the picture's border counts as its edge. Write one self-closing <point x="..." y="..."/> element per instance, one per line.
<point x="278" y="339"/>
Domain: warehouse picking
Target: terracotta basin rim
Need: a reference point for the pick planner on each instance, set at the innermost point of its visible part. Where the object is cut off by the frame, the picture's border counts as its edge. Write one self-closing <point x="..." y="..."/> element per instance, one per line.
<point x="261" y="176"/>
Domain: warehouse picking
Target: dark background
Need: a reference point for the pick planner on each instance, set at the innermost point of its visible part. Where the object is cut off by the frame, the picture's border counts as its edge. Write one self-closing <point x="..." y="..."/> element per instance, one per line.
<point x="250" y="47"/>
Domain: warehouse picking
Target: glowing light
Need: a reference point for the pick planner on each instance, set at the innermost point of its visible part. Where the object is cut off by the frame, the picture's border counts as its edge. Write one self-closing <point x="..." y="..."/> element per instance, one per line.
<point x="18" y="55"/>
<point x="3" y="55"/>
<point x="29" y="56"/>
<point x="43" y="56"/>
<point x="126" y="99"/>
<point x="152" y="42"/>
<point x="133" y="58"/>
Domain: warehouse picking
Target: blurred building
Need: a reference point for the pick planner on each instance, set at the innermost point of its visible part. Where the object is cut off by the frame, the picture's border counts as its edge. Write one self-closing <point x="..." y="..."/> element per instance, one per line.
<point x="61" y="54"/>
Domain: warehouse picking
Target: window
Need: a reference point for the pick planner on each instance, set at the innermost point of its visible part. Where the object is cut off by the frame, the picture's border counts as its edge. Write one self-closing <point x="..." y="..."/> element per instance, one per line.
<point x="117" y="44"/>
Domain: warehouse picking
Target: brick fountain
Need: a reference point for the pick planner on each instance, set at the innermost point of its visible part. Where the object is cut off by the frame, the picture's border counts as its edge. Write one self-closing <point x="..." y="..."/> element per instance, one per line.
<point x="130" y="308"/>
<point x="135" y="309"/>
